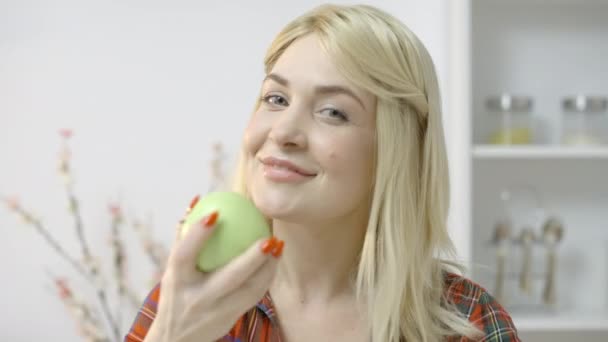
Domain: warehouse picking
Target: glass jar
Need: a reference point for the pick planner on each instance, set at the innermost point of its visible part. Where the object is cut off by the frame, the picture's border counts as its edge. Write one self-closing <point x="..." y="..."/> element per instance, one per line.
<point x="515" y="119"/>
<point x="584" y="120"/>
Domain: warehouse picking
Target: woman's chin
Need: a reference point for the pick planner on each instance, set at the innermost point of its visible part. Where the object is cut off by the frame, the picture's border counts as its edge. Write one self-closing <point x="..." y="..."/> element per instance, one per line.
<point x="272" y="210"/>
<point x="275" y="207"/>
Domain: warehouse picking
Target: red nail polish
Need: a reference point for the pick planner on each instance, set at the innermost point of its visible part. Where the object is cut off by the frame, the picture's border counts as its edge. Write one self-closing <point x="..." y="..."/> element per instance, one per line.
<point x="278" y="251"/>
<point x="193" y="202"/>
<point x="210" y="219"/>
<point x="268" y="245"/>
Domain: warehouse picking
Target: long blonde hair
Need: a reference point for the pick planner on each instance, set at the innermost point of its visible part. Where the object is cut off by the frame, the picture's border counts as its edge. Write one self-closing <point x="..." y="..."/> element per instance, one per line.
<point x="400" y="279"/>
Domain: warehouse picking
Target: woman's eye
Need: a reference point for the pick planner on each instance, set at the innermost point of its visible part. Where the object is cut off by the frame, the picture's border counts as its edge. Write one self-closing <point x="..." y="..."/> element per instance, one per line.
<point x="334" y="114"/>
<point x="275" y="100"/>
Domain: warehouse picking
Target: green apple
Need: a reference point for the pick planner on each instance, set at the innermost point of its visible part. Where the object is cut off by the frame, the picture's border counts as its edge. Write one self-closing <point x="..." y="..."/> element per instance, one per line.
<point x="239" y="225"/>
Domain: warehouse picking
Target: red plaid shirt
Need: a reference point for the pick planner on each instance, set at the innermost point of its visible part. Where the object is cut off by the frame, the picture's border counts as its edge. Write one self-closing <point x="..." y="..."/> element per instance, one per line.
<point x="260" y="323"/>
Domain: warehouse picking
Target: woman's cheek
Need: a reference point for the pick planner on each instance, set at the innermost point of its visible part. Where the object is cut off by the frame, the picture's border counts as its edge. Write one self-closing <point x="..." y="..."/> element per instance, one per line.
<point x="355" y="161"/>
<point x="255" y="133"/>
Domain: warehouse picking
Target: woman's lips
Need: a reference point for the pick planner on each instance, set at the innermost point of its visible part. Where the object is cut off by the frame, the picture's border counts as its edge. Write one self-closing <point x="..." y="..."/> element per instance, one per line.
<point x="283" y="170"/>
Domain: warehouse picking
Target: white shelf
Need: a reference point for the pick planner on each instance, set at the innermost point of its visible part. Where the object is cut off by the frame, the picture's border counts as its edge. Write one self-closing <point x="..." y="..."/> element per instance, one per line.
<point x="539" y="152"/>
<point x="566" y="322"/>
<point x="500" y="46"/>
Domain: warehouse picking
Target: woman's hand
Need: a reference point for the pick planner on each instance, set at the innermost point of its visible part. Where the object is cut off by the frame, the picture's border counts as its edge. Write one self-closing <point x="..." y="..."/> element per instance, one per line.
<point x="198" y="307"/>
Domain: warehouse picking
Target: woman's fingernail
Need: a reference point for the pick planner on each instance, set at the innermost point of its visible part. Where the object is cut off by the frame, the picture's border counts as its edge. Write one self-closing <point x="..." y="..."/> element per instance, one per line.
<point x="210" y="219"/>
<point x="193" y="202"/>
<point x="278" y="250"/>
<point x="268" y="245"/>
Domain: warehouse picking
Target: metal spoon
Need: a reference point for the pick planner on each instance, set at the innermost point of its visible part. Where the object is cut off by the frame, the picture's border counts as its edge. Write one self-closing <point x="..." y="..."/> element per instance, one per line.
<point x="502" y="233"/>
<point x="553" y="231"/>
<point x="527" y="239"/>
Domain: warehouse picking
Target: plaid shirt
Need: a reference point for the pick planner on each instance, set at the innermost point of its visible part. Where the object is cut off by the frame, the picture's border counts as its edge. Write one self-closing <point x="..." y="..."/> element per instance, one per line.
<point x="260" y="323"/>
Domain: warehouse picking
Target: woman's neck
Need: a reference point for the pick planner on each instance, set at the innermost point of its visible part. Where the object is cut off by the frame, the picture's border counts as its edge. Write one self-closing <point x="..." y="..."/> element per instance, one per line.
<point x="319" y="261"/>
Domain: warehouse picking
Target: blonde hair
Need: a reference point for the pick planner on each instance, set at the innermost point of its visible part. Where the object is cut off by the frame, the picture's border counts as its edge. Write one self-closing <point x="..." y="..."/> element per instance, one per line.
<point x="400" y="279"/>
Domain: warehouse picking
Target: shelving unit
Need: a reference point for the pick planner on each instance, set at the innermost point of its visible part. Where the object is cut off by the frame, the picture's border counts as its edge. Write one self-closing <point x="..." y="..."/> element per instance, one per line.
<point x="546" y="50"/>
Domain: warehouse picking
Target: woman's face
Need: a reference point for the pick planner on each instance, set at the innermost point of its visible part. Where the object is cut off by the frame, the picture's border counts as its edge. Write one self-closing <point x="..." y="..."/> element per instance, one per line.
<point x="310" y="143"/>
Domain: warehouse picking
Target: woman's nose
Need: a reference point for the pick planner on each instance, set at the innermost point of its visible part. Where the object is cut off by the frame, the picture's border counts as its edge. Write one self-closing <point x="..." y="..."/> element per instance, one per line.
<point x="289" y="129"/>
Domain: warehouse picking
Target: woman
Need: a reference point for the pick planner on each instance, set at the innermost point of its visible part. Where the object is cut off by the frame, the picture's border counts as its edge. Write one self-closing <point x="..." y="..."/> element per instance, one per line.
<point x="344" y="154"/>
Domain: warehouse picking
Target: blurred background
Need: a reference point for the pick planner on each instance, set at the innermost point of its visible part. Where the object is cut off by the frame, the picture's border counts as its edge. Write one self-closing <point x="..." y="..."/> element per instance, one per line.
<point x="114" y="114"/>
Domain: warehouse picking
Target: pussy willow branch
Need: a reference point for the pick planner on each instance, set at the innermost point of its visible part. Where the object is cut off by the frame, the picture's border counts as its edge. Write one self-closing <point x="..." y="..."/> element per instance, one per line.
<point x="154" y="250"/>
<point x="119" y="259"/>
<point x="29" y="218"/>
<point x="93" y="270"/>
<point x="89" y="323"/>
<point x="216" y="165"/>
<point x="124" y="290"/>
<point x="78" y="225"/>
<point x="87" y="275"/>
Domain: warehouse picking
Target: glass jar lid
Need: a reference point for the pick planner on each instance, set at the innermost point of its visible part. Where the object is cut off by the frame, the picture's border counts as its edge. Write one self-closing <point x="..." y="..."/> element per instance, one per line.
<point x="585" y="103"/>
<point x="509" y="103"/>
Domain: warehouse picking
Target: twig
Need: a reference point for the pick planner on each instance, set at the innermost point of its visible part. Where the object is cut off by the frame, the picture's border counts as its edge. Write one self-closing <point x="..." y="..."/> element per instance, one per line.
<point x="30" y="219"/>
<point x="93" y="270"/>
<point x="93" y="327"/>
<point x="89" y="323"/>
<point x="75" y="210"/>
<point x="153" y="249"/>
<point x="118" y="258"/>
<point x="64" y="170"/>
<point x="217" y="172"/>
<point x="51" y="241"/>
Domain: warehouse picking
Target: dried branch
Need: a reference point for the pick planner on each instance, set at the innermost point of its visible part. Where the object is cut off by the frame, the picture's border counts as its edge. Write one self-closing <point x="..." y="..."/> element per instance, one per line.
<point x="91" y="326"/>
<point x="156" y="251"/>
<point x="217" y="172"/>
<point x="93" y="269"/>
<point x="28" y="218"/>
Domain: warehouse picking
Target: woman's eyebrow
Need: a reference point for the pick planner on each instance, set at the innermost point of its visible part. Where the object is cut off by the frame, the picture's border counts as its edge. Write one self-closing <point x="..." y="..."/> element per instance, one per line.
<point x="324" y="89"/>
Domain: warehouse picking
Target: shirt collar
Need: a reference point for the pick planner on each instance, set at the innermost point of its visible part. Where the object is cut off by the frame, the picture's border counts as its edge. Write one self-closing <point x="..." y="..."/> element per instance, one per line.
<point x="266" y="306"/>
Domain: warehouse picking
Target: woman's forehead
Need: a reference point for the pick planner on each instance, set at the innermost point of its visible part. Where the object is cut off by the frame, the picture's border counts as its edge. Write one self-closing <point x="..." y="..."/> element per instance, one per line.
<point x="306" y="64"/>
<point x="306" y="59"/>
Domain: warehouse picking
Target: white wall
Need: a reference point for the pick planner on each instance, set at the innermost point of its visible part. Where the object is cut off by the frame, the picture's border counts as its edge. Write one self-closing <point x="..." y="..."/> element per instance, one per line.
<point x="146" y="86"/>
